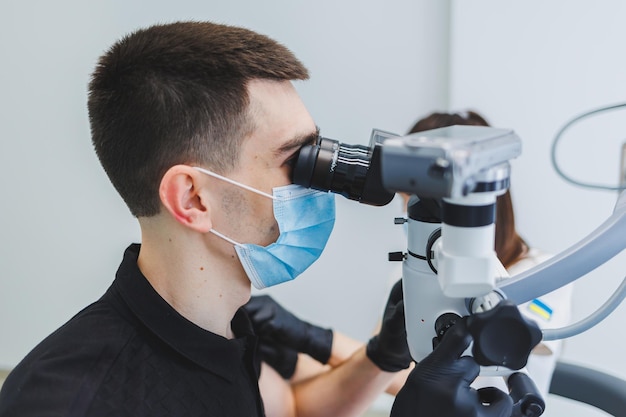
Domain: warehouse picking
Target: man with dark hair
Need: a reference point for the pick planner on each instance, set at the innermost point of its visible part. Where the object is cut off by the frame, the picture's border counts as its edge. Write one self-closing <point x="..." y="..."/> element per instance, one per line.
<point x="196" y="124"/>
<point x="180" y="94"/>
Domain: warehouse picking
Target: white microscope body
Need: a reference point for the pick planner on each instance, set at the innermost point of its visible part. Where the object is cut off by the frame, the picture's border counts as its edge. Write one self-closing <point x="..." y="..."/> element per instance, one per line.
<point x="451" y="228"/>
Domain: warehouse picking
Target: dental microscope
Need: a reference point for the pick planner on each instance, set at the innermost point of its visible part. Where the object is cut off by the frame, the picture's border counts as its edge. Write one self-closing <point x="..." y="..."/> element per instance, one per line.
<point x="450" y="269"/>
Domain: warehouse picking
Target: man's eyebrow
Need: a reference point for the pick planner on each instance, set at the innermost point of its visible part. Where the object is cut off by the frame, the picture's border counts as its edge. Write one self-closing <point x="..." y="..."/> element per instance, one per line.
<point x="299" y="141"/>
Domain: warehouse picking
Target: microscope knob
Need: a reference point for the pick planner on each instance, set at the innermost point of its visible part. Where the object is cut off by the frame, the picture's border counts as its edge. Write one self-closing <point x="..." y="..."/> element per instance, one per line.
<point x="502" y="336"/>
<point x="443" y="324"/>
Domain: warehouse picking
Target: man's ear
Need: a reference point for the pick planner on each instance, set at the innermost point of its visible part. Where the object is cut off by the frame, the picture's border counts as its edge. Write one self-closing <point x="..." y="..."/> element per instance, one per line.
<point x="180" y="193"/>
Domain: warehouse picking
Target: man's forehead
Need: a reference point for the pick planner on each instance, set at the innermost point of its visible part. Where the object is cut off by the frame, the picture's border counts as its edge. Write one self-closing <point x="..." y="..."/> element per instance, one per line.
<point x="282" y="122"/>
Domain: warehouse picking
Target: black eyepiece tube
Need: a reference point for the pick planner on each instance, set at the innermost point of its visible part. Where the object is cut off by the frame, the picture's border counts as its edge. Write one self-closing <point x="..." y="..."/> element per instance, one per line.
<point x="350" y="170"/>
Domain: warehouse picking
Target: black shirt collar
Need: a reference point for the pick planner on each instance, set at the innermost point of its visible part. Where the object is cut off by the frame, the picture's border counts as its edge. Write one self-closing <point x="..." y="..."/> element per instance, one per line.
<point x="209" y="350"/>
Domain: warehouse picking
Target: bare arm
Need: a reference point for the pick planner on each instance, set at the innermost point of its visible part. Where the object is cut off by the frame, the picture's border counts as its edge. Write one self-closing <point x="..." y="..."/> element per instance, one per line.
<point x="398" y="381"/>
<point x="347" y="390"/>
<point x="350" y="387"/>
<point x="343" y="348"/>
<point x="276" y="392"/>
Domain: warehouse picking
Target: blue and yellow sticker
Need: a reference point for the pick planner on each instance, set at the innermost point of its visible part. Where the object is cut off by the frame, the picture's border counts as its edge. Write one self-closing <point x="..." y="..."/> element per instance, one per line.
<point x="540" y="309"/>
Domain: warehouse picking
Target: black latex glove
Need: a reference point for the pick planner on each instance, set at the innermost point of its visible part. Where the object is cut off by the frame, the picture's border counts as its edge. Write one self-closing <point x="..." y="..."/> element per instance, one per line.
<point x="440" y="384"/>
<point x="389" y="349"/>
<point x="282" y="358"/>
<point x="277" y="327"/>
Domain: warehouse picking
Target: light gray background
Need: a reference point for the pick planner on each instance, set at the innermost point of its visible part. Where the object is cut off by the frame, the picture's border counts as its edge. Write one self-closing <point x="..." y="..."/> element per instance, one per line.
<point x="530" y="66"/>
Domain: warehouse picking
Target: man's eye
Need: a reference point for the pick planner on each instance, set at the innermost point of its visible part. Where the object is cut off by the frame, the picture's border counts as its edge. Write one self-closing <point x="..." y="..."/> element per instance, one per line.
<point x="291" y="161"/>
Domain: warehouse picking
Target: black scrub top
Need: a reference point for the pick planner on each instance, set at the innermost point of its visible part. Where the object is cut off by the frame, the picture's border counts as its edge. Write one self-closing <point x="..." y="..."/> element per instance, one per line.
<point x="131" y="354"/>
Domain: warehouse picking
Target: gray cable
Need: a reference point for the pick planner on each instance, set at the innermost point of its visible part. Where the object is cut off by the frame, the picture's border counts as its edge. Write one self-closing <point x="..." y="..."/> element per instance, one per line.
<point x="591" y="320"/>
<point x="558" y="137"/>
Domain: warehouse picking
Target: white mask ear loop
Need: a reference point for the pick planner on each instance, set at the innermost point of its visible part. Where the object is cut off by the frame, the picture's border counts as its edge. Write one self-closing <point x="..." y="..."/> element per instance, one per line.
<point x="238" y="184"/>
<point x="228" y="180"/>
<point x="229" y="240"/>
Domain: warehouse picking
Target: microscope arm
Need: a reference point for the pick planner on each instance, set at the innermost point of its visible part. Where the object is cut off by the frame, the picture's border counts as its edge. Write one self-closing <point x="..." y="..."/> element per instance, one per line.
<point x="604" y="243"/>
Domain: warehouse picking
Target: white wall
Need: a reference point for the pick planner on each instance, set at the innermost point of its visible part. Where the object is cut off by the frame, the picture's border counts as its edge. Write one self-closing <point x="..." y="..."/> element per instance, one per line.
<point x="63" y="226"/>
<point x="533" y="66"/>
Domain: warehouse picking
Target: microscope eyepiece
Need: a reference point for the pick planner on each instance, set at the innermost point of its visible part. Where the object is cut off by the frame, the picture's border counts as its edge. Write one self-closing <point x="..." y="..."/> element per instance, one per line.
<point x="350" y="170"/>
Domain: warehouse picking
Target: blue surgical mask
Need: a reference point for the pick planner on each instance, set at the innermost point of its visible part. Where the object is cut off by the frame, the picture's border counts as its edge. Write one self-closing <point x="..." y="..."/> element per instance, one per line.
<point x="305" y="219"/>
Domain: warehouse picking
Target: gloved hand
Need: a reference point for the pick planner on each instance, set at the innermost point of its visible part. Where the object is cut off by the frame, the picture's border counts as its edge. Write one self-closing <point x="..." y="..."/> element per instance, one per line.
<point x="280" y="357"/>
<point x="440" y="384"/>
<point x="278" y="328"/>
<point x="389" y="349"/>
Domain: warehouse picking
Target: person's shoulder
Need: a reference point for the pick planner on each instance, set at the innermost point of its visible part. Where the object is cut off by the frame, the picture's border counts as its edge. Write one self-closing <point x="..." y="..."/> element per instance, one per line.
<point x="97" y="324"/>
<point x="96" y="327"/>
<point x="64" y="364"/>
<point x="537" y="256"/>
<point x="533" y="257"/>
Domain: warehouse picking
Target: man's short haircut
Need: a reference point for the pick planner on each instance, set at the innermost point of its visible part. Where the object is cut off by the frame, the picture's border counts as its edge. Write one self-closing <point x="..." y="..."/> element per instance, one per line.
<point x="177" y="94"/>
